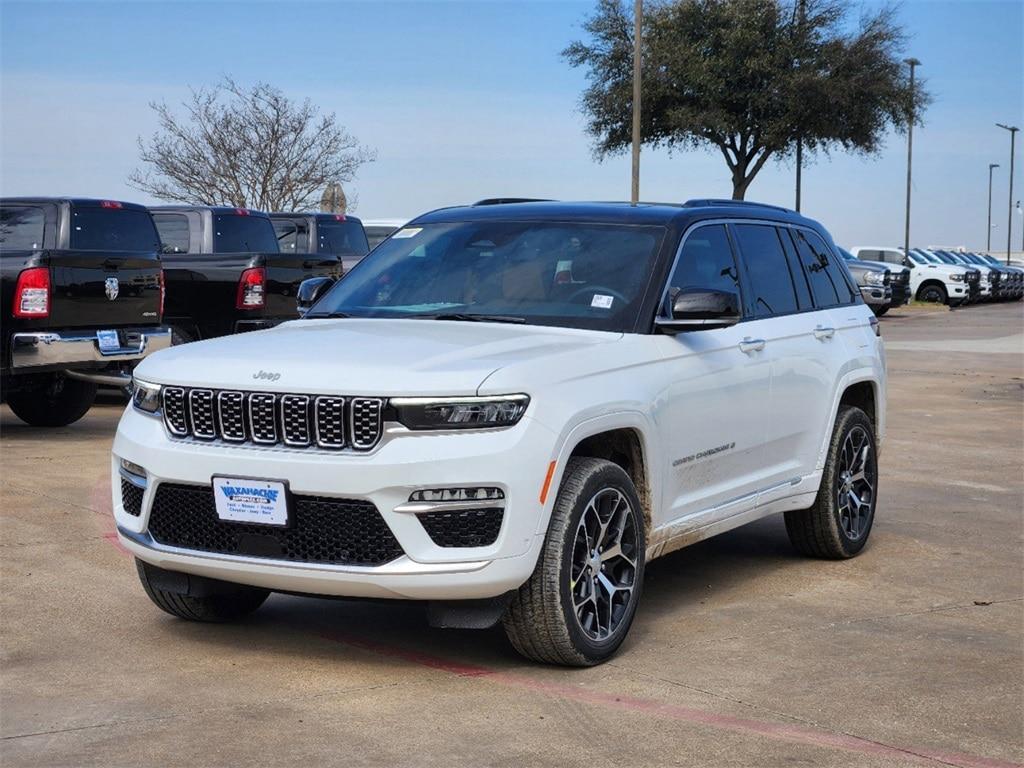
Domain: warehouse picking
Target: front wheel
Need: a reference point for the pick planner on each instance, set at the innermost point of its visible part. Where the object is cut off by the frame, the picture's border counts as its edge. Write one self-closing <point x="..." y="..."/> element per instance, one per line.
<point x="228" y="602"/>
<point x="577" y="607"/>
<point x="838" y="524"/>
<point x="933" y="293"/>
<point x="57" y="402"/>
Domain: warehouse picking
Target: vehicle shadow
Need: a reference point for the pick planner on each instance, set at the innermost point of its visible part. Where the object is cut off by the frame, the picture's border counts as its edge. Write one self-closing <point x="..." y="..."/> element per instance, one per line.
<point x="333" y="630"/>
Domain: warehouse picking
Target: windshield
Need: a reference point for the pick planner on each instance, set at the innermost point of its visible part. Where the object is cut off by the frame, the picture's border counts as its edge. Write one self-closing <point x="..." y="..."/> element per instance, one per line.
<point x="576" y="275"/>
<point x="100" y="228"/>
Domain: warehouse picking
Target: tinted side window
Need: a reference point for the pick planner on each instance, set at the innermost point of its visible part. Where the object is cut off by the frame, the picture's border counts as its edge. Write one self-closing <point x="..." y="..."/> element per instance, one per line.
<point x="803" y="290"/>
<point x="21" y="228"/>
<point x="243" y="234"/>
<point x="815" y="263"/>
<point x="835" y="268"/>
<point x="173" y="229"/>
<point x="706" y="261"/>
<point x="98" y="228"/>
<point x="771" y="285"/>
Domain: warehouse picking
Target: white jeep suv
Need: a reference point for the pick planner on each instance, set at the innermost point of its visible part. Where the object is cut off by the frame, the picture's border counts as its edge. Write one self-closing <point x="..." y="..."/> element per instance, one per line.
<point x="506" y="411"/>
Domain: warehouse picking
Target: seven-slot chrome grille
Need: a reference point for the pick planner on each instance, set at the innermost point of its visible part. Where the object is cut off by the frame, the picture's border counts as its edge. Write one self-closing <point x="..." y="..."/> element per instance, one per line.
<point x="265" y="418"/>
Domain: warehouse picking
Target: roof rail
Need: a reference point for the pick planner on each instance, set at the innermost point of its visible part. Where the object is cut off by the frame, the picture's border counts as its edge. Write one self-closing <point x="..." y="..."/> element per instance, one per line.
<point x="507" y="200"/>
<point x="711" y="201"/>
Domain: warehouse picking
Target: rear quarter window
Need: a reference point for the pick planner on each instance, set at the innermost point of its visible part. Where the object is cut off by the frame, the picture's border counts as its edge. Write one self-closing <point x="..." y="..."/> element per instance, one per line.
<point x="95" y="228"/>
<point x="826" y="276"/>
<point x="21" y="228"/>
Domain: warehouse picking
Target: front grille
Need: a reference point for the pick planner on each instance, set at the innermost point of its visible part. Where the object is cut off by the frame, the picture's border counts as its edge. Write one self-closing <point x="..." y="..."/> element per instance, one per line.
<point x="321" y="530"/>
<point x="265" y="418"/>
<point x="463" y="528"/>
<point x="131" y="498"/>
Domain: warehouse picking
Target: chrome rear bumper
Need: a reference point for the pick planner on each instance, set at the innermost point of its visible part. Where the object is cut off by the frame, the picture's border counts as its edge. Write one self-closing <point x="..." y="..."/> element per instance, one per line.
<point x="32" y="350"/>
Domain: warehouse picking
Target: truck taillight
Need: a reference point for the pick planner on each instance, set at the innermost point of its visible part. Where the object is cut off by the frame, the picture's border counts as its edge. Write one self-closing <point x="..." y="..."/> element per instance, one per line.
<point x="251" y="289"/>
<point x="163" y="292"/>
<point x="32" y="293"/>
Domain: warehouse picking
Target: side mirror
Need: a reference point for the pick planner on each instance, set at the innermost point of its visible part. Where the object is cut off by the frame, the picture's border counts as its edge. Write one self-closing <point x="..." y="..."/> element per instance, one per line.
<point x="310" y="291"/>
<point x="701" y="309"/>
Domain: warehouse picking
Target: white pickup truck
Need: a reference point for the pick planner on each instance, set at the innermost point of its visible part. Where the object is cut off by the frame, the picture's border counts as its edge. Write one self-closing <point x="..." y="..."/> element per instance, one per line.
<point x="506" y="411"/>
<point x="930" y="279"/>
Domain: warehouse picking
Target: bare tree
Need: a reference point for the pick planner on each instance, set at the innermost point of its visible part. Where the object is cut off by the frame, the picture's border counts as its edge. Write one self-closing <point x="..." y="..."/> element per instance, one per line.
<point x="246" y="147"/>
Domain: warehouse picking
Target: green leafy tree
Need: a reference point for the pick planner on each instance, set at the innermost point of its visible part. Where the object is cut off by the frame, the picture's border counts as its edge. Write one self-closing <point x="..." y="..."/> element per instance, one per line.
<point x="748" y="77"/>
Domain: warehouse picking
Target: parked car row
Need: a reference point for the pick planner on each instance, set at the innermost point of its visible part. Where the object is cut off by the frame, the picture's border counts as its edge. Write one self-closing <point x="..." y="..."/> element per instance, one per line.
<point x="948" y="277"/>
<point x="90" y="287"/>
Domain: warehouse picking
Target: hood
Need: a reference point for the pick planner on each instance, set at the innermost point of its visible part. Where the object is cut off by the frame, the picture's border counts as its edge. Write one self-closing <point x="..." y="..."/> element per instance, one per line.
<point x="354" y="356"/>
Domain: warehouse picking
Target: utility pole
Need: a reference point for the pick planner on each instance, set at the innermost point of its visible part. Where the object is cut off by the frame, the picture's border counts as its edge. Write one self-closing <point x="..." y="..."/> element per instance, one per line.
<point x="1009" y="204"/>
<point x="911" y="62"/>
<point x="799" y="139"/>
<point x="988" y="241"/>
<point x="638" y="12"/>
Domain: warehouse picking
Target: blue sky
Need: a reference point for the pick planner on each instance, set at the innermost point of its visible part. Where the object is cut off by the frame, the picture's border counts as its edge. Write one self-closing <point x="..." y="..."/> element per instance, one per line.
<point x="464" y="100"/>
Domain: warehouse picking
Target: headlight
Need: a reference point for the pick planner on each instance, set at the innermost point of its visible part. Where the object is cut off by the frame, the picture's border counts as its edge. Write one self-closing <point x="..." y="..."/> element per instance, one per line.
<point x="874" y="278"/>
<point x="145" y="396"/>
<point x="956" y="278"/>
<point x="460" y="412"/>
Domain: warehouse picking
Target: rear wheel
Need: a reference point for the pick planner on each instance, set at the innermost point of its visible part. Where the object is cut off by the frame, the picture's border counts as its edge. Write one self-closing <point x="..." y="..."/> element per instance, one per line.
<point x="56" y="402"/>
<point x="578" y="605"/>
<point x="227" y="602"/>
<point x="838" y="524"/>
<point x="933" y="293"/>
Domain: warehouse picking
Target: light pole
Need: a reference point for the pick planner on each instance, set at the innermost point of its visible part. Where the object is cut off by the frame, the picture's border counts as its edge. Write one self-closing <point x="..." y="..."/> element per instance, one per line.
<point x="801" y="10"/>
<point x="638" y="11"/>
<point x="988" y="242"/>
<point x="911" y="62"/>
<point x="1009" y="205"/>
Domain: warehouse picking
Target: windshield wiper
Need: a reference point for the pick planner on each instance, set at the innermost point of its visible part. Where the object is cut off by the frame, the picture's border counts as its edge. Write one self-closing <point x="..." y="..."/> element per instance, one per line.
<point x="471" y="318"/>
<point x="327" y="314"/>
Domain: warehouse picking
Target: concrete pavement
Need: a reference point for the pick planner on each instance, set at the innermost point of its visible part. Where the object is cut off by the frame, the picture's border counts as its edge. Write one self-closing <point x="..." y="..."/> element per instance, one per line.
<point x="742" y="653"/>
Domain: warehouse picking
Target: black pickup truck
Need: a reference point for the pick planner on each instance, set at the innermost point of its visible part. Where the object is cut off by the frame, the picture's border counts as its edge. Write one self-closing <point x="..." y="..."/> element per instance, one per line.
<point x="329" y="235"/>
<point x="225" y="273"/>
<point x="80" y="296"/>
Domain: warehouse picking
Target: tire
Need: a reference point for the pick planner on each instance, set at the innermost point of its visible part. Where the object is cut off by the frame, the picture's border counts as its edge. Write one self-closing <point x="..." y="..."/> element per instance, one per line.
<point x="58" y="402"/>
<point x="541" y="622"/>
<point x="229" y="602"/>
<point x="180" y="335"/>
<point x="880" y="310"/>
<point x="933" y="293"/>
<point x="824" y="530"/>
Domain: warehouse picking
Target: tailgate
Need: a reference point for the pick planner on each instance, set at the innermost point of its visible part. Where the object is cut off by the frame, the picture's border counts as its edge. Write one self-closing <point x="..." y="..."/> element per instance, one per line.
<point x="104" y="290"/>
<point x="284" y="273"/>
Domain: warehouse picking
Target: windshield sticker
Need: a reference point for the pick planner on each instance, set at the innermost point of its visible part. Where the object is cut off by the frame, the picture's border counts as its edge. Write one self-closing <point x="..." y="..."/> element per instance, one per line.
<point x="601" y="301"/>
<point x="407" y="232"/>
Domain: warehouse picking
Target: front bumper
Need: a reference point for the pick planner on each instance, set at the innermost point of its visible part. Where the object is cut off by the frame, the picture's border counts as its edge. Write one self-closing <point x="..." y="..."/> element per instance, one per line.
<point x="40" y="350"/>
<point x="514" y="460"/>
<point x="876" y="295"/>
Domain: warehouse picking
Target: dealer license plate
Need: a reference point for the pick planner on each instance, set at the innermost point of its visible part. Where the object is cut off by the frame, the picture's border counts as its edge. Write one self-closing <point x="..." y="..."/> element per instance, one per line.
<point x="240" y="500"/>
<point x="108" y="341"/>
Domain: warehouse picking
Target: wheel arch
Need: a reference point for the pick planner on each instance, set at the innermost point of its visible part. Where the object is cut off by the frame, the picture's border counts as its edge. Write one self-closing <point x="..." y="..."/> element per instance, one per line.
<point x="864" y="389"/>
<point x="621" y="438"/>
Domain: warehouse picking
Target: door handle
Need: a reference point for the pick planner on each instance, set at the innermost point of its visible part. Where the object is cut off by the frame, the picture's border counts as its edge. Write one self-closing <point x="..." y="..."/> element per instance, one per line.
<point x="821" y="333"/>
<point x="749" y="345"/>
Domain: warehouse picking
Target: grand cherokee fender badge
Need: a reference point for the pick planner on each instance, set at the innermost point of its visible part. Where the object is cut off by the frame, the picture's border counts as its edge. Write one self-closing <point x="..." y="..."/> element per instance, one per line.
<point x="112" y="287"/>
<point x="266" y="376"/>
<point x="703" y="454"/>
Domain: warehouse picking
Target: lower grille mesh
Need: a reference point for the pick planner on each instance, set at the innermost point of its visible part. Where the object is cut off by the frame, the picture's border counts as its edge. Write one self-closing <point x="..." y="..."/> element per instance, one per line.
<point x="463" y="528"/>
<point x="131" y="498"/>
<point x="322" y="529"/>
